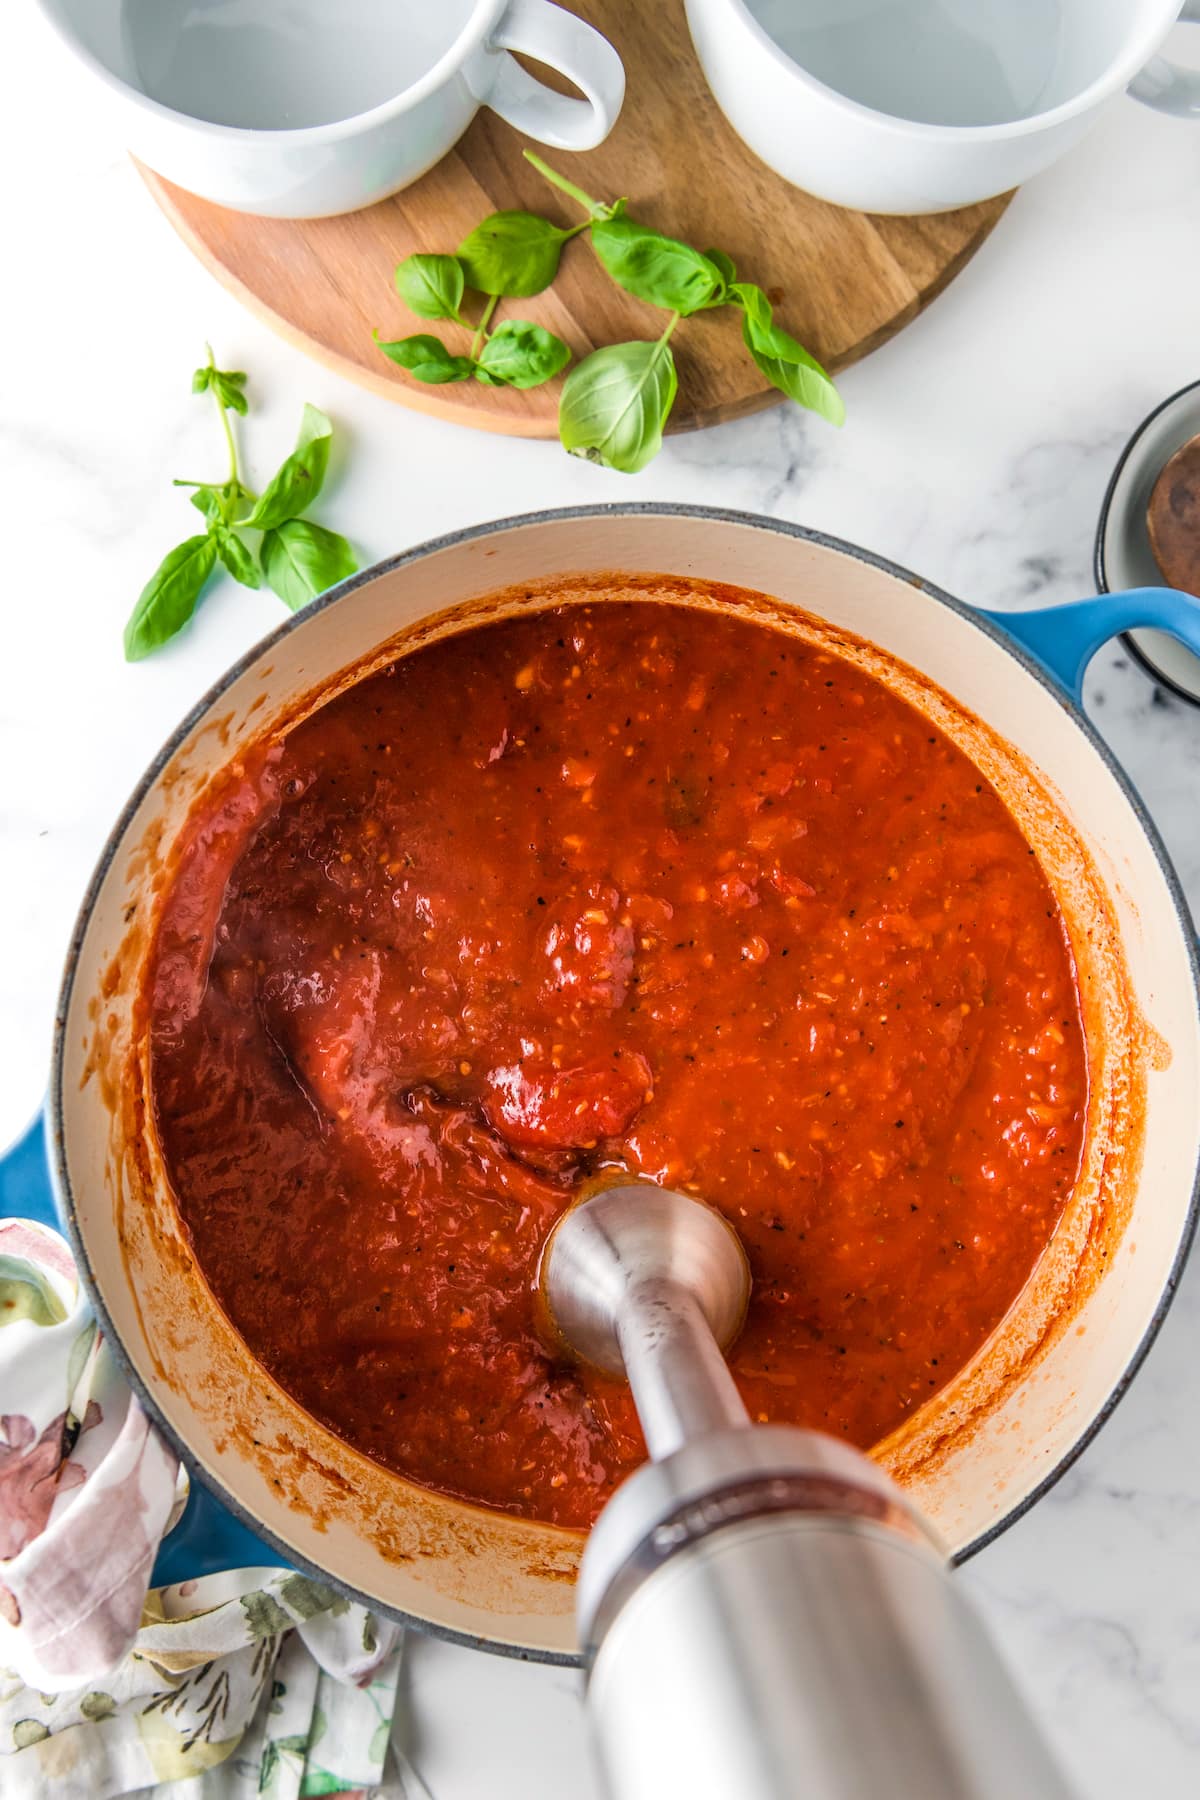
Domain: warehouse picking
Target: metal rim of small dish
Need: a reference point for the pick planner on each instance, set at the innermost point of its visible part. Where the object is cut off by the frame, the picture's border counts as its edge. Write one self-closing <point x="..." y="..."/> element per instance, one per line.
<point x="60" y="1175"/>
<point x="1099" y="557"/>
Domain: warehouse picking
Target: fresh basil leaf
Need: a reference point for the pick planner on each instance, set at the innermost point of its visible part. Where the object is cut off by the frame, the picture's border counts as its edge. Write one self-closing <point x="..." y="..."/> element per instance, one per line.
<point x="784" y="362"/>
<point x="200" y="379"/>
<point x="299" y="481"/>
<point x="749" y="296"/>
<point x="521" y="355"/>
<point x="208" y="501"/>
<point x="227" y="386"/>
<point x="428" y="359"/>
<point x="237" y="558"/>
<point x="431" y="286"/>
<point x="216" y="502"/>
<point x="301" y="560"/>
<point x="725" y="264"/>
<point x="656" y="268"/>
<point x="615" y="403"/>
<point x="168" y="600"/>
<point x="513" y="253"/>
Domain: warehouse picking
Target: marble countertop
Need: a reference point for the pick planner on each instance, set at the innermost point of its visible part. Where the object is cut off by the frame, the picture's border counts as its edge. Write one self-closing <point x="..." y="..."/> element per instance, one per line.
<point x="977" y="451"/>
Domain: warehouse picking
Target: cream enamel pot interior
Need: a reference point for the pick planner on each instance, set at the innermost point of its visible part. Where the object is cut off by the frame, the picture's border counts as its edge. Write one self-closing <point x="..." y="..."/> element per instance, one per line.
<point x="978" y="1453"/>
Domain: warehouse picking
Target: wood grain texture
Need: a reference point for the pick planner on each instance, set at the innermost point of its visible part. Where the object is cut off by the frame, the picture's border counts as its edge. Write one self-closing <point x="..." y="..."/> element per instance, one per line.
<point x="843" y="282"/>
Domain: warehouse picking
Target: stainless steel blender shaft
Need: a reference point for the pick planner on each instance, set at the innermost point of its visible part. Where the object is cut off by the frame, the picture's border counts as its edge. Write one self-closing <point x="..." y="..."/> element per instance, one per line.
<point x="681" y="1380"/>
<point x="645" y="1283"/>
<point x="764" y="1614"/>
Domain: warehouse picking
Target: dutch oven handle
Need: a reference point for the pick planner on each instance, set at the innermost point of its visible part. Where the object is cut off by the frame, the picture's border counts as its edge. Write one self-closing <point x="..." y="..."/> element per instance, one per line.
<point x="1064" y="639"/>
<point x="208" y="1539"/>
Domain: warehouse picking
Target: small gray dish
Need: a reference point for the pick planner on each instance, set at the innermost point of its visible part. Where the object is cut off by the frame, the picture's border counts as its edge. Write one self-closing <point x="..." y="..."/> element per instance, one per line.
<point x="1124" y="558"/>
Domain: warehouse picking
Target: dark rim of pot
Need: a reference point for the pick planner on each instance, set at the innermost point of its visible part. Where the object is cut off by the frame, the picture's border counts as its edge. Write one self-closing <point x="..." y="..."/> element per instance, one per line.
<point x="1100" y="560"/>
<point x="644" y="509"/>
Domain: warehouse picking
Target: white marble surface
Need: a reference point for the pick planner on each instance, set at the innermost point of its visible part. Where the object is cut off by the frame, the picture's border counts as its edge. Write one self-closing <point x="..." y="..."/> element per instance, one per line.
<point x="977" y="450"/>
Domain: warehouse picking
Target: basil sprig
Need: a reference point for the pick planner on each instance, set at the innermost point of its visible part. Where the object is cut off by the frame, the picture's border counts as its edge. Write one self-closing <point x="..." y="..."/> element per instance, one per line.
<point x="625" y="421"/>
<point x="511" y="256"/>
<point x="297" y="558"/>
<point x="518" y="353"/>
<point x="615" y="402"/>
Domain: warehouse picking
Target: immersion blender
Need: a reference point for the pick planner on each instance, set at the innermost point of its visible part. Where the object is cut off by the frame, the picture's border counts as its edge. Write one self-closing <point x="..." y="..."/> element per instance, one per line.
<point x="764" y="1614"/>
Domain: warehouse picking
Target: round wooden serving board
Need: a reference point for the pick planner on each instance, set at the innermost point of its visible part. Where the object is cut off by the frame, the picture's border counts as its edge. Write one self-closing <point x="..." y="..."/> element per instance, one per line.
<point x="843" y="282"/>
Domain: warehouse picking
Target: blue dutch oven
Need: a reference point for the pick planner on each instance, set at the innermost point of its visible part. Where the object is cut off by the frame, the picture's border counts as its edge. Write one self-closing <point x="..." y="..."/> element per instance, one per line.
<point x="273" y="1486"/>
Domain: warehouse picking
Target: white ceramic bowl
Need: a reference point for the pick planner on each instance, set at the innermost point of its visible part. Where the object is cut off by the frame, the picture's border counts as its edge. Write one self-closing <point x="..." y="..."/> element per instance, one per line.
<point x="855" y="155"/>
<point x="990" y="1442"/>
<point x="312" y="170"/>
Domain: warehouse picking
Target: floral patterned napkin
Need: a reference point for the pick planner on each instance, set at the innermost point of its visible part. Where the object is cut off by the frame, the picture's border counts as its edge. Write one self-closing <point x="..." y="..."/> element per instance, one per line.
<point x="257" y="1682"/>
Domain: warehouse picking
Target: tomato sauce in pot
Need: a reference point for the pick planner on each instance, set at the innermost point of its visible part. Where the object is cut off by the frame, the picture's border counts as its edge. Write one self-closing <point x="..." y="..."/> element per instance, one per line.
<point x="616" y="887"/>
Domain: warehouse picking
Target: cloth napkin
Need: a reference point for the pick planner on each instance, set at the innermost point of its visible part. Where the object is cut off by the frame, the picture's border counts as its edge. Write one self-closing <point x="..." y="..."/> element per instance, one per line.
<point x="256" y="1682"/>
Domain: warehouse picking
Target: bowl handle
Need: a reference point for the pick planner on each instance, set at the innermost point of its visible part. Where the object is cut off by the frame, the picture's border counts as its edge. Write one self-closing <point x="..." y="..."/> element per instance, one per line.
<point x="575" y="49"/>
<point x="1064" y="639"/>
<point x="207" y="1538"/>
<point x="1167" y="86"/>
